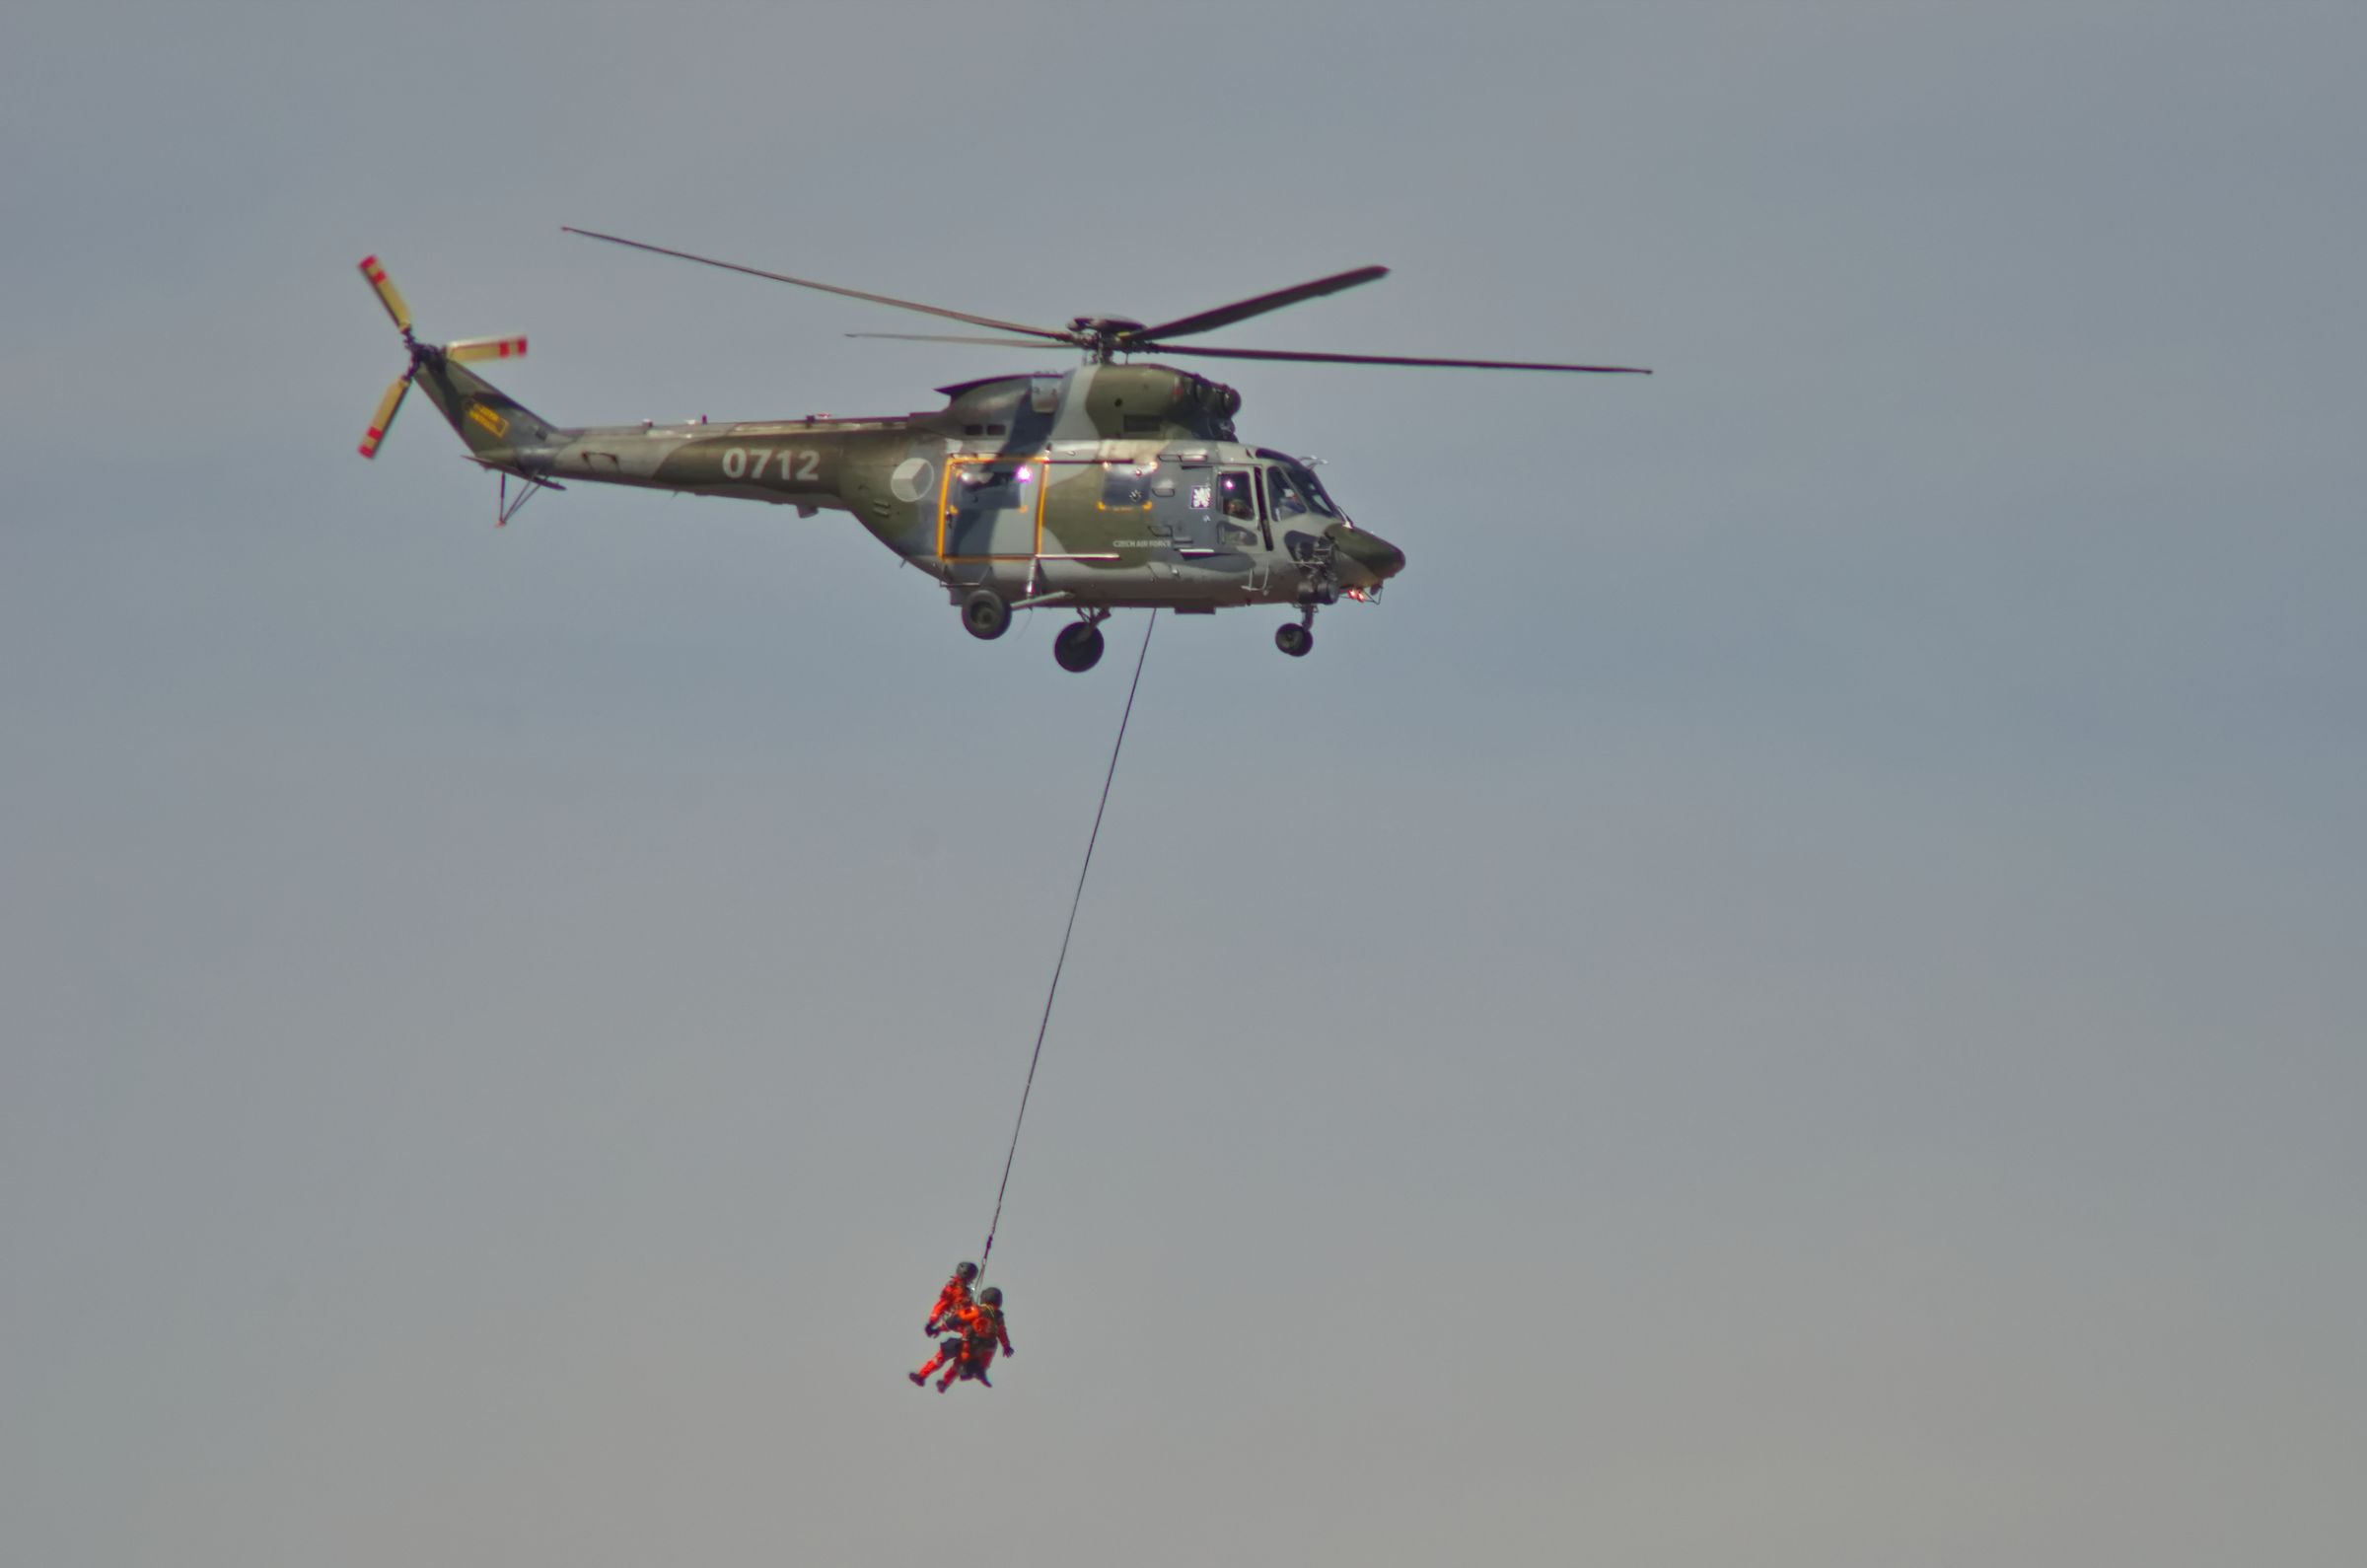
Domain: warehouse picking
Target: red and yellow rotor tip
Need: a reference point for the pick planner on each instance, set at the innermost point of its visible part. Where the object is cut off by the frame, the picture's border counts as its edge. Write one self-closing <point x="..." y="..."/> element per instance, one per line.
<point x="388" y="294"/>
<point x="384" y="420"/>
<point x="469" y="348"/>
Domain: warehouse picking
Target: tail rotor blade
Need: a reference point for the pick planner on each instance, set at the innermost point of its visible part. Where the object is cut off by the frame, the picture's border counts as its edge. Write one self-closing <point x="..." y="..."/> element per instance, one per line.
<point x="388" y="294"/>
<point x="486" y="348"/>
<point x="384" y="420"/>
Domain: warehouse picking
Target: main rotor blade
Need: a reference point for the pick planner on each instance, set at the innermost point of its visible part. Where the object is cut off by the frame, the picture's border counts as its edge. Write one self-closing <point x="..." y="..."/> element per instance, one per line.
<point x="939" y="337"/>
<point x="384" y="420"/>
<point x="1378" y="359"/>
<point x="1242" y="310"/>
<point x="386" y="295"/>
<point x="828" y="288"/>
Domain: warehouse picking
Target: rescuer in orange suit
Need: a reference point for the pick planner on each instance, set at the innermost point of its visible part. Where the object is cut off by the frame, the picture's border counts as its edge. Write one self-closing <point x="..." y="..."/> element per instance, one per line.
<point x="983" y="1334"/>
<point x="952" y="1318"/>
<point x="969" y="1351"/>
<point x="953" y="1300"/>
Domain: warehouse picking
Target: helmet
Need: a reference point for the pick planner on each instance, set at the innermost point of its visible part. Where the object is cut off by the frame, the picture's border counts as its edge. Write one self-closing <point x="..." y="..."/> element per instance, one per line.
<point x="992" y="1295"/>
<point x="966" y="1272"/>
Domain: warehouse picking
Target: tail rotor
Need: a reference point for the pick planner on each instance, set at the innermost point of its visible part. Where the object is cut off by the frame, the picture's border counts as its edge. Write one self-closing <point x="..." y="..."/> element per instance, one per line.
<point x="388" y="294"/>
<point x="384" y="420"/>
<point x="469" y="348"/>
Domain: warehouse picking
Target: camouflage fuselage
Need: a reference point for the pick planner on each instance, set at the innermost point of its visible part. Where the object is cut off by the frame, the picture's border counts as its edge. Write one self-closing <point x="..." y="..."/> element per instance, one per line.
<point x="1109" y="485"/>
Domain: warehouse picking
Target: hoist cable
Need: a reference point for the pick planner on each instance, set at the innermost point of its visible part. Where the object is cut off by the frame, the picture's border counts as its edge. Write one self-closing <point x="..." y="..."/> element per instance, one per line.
<point x="1046" y="1023"/>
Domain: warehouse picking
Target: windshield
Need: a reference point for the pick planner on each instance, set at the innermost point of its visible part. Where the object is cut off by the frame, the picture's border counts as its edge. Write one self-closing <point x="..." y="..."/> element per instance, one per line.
<point x="1283" y="496"/>
<point x="1295" y="491"/>
<point x="1312" y="487"/>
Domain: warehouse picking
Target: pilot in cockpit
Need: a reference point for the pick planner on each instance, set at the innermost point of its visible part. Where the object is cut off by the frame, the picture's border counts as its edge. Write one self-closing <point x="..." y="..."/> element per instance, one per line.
<point x="1239" y="504"/>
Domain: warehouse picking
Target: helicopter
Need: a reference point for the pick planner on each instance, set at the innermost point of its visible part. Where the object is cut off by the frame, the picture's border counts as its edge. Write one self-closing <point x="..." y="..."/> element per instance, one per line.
<point x="1112" y="485"/>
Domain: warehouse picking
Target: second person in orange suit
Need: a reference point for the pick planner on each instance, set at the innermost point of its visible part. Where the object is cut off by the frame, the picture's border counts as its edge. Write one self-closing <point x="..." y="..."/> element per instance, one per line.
<point x="983" y="1334"/>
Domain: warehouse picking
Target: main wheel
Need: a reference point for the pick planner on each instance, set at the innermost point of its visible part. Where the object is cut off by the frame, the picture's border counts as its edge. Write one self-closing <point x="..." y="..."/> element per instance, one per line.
<point x="1078" y="648"/>
<point x="985" y="615"/>
<point x="1294" y="639"/>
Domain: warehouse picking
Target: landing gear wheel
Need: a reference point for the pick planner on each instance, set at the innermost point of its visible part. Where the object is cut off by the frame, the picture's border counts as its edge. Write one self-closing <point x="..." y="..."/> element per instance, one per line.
<point x="1294" y="640"/>
<point x="1078" y="648"/>
<point x="985" y="615"/>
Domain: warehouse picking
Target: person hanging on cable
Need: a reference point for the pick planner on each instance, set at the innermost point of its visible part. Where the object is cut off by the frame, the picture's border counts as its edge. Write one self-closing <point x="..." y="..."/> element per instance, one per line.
<point x="969" y="1351"/>
<point x="951" y="1301"/>
<point x="983" y="1332"/>
<point x="952" y="1318"/>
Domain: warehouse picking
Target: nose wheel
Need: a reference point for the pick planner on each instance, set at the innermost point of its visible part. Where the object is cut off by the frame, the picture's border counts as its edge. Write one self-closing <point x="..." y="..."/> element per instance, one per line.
<point x="1319" y="585"/>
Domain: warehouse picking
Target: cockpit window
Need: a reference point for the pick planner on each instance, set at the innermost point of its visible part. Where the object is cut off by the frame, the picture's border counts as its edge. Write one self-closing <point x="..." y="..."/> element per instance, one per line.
<point x="1313" y="489"/>
<point x="1284" y="495"/>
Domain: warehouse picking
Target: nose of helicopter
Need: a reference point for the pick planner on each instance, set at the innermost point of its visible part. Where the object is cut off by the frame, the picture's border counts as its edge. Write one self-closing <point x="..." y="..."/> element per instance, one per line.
<point x="1379" y="558"/>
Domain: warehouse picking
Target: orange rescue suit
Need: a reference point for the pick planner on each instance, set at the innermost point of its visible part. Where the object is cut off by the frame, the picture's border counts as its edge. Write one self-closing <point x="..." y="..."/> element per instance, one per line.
<point x="953" y="1303"/>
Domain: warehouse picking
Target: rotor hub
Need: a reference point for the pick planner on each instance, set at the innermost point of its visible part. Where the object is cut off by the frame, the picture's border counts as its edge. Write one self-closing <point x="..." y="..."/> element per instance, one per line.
<point x="1103" y="336"/>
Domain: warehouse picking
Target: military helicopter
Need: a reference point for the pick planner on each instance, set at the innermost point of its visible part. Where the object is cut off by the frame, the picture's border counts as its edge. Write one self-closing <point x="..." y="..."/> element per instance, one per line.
<point x="1108" y="487"/>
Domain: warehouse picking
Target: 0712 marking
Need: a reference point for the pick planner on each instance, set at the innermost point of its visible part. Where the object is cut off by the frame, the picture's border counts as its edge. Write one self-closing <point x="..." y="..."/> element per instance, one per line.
<point x="796" y="468"/>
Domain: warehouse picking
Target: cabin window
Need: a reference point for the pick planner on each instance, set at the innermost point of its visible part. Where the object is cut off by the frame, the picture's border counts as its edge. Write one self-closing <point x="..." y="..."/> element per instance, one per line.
<point x="1126" y="486"/>
<point x="993" y="487"/>
<point x="990" y="509"/>
<point x="1241" y="508"/>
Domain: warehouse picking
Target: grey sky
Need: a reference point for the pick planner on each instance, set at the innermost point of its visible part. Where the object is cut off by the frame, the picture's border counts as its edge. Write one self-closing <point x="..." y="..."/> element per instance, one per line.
<point x="1792" y="996"/>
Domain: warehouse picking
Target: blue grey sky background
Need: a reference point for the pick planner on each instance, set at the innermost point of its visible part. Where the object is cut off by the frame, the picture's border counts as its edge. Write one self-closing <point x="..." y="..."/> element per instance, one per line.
<point x="1793" y="995"/>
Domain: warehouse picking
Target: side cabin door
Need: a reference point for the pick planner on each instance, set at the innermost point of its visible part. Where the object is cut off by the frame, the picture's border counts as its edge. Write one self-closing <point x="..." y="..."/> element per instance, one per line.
<point x="1104" y="506"/>
<point x="990" y="509"/>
